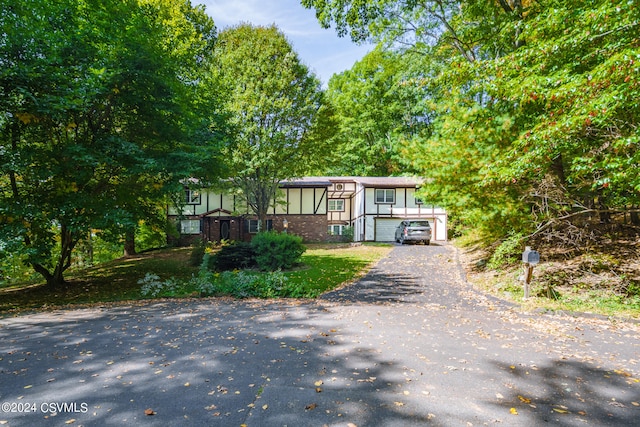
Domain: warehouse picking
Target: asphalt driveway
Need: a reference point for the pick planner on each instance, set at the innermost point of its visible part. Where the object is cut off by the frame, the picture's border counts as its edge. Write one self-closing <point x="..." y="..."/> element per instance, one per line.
<point x="409" y="344"/>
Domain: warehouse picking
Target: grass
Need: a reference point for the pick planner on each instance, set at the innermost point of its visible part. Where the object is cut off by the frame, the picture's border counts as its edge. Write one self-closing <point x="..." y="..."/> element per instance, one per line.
<point x="324" y="268"/>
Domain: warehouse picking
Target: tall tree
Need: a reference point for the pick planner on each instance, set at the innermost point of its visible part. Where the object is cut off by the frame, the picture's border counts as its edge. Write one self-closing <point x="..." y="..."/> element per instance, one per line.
<point x="374" y="110"/>
<point x="274" y="102"/>
<point x="533" y="102"/>
<point x="96" y="115"/>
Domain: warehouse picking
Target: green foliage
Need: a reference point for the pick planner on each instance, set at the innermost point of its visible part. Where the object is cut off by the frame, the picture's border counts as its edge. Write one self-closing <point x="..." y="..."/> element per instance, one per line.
<point x="241" y="284"/>
<point x="531" y="107"/>
<point x="507" y="253"/>
<point x="237" y="255"/>
<point x="347" y="234"/>
<point x="153" y="287"/>
<point x="273" y="102"/>
<point x="373" y="110"/>
<point x="268" y="251"/>
<point x="197" y="253"/>
<point x="112" y="89"/>
<point x="149" y="236"/>
<point x="277" y="251"/>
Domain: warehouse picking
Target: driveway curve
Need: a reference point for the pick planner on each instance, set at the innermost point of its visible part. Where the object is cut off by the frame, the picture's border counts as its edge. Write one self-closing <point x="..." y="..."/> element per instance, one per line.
<point x="409" y="344"/>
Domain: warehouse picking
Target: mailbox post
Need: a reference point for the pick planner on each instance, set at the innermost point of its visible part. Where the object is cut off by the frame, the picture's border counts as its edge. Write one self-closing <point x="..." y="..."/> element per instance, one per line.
<point x="530" y="258"/>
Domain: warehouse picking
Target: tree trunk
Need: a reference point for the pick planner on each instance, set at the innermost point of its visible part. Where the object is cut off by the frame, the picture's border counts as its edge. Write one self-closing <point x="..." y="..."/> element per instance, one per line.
<point x="130" y="243"/>
<point x="634" y="216"/>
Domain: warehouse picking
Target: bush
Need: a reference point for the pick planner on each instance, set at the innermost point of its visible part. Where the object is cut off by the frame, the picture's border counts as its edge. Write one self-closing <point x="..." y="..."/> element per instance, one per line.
<point x="277" y="251"/>
<point x="508" y="253"/>
<point x="240" y="284"/>
<point x="197" y="253"/>
<point x="153" y="287"/>
<point x="238" y="255"/>
<point x="347" y="234"/>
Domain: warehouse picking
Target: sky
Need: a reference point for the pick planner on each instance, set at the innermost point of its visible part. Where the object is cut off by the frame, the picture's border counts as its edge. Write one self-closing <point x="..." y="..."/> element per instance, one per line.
<point x="321" y="50"/>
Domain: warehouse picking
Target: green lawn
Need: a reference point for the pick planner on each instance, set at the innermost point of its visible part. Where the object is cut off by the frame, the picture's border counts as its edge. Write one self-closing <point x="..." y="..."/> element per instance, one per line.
<point x="323" y="268"/>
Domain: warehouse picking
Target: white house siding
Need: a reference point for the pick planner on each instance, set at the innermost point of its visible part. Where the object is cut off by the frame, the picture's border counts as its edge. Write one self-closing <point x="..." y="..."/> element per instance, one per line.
<point x="309" y="196"/>
<point x="294" y="206"/>
<point x="381" y="217"/>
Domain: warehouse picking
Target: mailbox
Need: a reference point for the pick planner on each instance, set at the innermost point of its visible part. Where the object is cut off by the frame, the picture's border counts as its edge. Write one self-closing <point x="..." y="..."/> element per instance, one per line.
<point x="530" y="256"/>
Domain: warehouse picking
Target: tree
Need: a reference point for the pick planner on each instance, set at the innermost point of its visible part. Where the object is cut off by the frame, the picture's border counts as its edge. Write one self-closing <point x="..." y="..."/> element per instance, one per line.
<point x="534" y="103"/>
<point x="97" y="118"/>
<point x="274" y="103"/>
<point x="375" y="110"/>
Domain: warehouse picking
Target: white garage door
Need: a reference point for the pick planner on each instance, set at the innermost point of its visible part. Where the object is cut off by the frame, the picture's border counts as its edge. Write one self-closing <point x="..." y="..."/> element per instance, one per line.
<point x="386" y="229"/>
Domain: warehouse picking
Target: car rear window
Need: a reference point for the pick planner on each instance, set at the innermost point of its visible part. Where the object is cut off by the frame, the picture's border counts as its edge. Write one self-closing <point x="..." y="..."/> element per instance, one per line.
<point x="418" y="223"/>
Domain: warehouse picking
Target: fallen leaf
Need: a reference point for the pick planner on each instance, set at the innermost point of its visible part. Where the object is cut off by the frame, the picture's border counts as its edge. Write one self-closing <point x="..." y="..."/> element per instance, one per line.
<point x="398" y="403"/>
<point x="264" y="407"/>
<point x="513" y="411"/>
<point x="318" y="383"/>
<point x="524" y="399"/>
<point x="149" y="412"/>
<point x="318" y="390"/>
<point x="311" y="406"/>
<point x="560" y="411"/>
<point x="71" y="421"/>
<point x="635" y="403"/>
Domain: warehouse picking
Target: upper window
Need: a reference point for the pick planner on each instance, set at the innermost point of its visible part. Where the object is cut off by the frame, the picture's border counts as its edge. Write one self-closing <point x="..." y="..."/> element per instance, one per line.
<point x="336" y="205"/>
<point x="385" y="195"/>
<point x="192" y="197"/>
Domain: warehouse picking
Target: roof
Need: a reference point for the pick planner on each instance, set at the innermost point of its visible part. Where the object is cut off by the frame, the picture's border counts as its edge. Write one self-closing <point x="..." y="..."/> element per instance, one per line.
<point x="372" y="181"/>
<point x="306" y="182"/>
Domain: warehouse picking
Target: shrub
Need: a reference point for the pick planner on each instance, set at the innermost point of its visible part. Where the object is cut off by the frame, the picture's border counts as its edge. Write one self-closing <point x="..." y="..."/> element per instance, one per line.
<point x="153" y="287"/>
<point x="277" y="251"/>
<point x="508" y="253"/>
<point x="237" y="255"/>
<point x="347" y="234"/>
<point x="241" y="284"/>
<point x="197" y="253"/>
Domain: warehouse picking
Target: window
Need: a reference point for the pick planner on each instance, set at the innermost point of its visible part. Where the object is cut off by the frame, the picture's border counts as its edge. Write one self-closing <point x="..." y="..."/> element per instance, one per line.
<point x="385" y="195"/>
<point x="252" y="225"/>
<point x="191" y="197"/>
<point x="335" y="230"/>
<point x="336" y="205"/>
<point x="190" y="226"/>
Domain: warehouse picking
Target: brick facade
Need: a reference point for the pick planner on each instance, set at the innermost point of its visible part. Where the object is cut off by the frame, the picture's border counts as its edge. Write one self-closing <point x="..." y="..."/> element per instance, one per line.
<point x="312" y="228"/>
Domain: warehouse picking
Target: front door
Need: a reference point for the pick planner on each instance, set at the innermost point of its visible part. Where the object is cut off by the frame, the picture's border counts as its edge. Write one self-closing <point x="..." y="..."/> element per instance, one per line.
<point x="225" y="225"/>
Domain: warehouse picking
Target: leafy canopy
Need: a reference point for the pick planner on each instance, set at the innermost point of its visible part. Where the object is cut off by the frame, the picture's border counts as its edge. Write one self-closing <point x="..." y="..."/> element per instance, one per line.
<point x="99" y="118"/>
<point x="274" y="103"/>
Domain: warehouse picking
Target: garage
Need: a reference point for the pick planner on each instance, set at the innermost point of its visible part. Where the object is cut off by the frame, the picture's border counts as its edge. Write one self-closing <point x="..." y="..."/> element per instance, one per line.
<point x="386" y="229"/>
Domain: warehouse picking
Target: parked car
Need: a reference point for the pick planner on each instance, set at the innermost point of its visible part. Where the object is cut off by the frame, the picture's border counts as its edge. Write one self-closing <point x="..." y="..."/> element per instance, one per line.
<point x="413" y="231"/>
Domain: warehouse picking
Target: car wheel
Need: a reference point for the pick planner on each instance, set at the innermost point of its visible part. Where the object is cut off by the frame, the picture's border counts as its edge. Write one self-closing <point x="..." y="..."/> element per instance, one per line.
<point x="426" y="242"/>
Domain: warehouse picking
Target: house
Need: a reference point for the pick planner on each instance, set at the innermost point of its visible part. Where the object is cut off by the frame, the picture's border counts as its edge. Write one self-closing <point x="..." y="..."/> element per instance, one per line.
<point x="316" y="208"/>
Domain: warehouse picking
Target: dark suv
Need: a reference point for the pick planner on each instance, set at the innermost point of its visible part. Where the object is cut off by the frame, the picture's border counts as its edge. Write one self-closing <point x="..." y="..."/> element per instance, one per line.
<point x="413" y="231"/>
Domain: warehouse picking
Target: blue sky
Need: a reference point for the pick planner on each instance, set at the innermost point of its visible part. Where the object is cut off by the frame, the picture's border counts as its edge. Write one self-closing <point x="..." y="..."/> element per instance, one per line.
<point x="321" y="50"/>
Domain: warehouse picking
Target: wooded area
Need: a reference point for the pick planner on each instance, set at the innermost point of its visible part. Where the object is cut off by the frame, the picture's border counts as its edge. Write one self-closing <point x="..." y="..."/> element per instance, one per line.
<point x="521" y="115"/>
